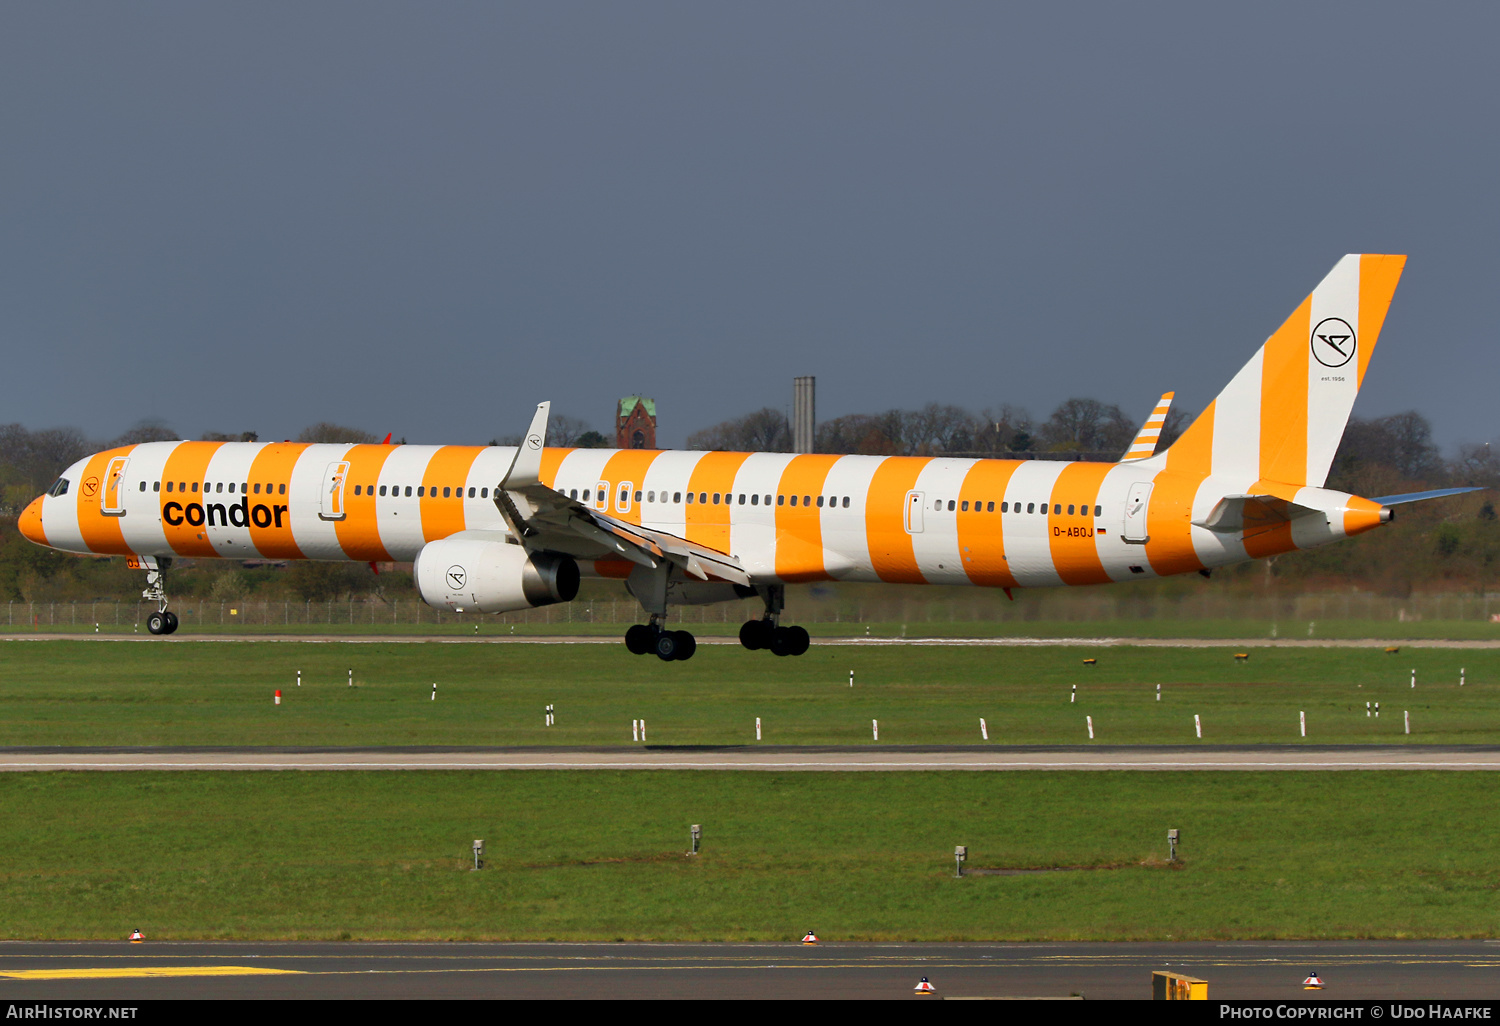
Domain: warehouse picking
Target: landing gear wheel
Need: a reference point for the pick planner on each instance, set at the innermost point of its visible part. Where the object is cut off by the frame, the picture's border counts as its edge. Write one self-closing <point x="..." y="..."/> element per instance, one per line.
<point x="756" y="634"/>
<point x="667" y="645"/>
<point x="171" y="623"/>
<point x="781" y="641"/>
<point x="686" y="645"/>
<point x="799" y="640"/>
<point x="640" y="639"/>
<point x="156" y="623"/>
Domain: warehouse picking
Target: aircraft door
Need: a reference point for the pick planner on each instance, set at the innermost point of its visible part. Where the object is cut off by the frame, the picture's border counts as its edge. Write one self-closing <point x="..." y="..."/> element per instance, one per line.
<point x="1137" y="505"/>
<point x="914" y="503"/>
<point x="333" y="491"/>
<point x="112" y="499"/>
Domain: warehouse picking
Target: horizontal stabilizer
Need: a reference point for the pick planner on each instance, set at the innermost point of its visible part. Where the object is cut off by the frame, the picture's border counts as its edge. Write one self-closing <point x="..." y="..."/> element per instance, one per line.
<point x="1437" y="493"/>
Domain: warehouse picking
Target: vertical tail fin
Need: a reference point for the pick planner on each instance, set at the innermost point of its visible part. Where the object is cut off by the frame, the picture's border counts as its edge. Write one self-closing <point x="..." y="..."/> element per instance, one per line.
<point x="1146" y="438"/>
<point x="1281" y="417"/>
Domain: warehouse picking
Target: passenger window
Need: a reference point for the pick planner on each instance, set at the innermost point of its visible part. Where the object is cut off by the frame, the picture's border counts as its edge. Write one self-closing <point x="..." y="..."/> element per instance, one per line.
<point x="755" y="500"/>
<point x="169" y="486"/>
<point x="282" y="489"/>
<point x="1057" y="509"/>
<point x="950" y="505"/>
<point x="820" y="502"/>
<point x="716" y="498"/>
<point x="484" y="493"/>
<point x="408" y="491"/>
<point x="846" y="502"/>
<point x="1070" y="510"/>
<point x="471" y="493"/>
<point x="156" y="486"/>
<point x="195" y="487"/>
<point x="231" y="488"/>
<point x="143" y="486"/>
<point x="676" y="496"/>
<point x="422" y="491"/>
<point x="965" y="506"/>
<point x="650" y="496"/>
<point x="447" y="493"/>
<point x="257" y="487"/>
<point x="1031" y="507"/>
<point x="807" y="500"/>
<point x="1098" y="511"/>
<point x="794" y="500"/>
<point x="1005" y="507"/>
<point x="702" y="498"/>
<point x="781" y="500"/>
<point x="573" y="493"/>
<point x="937" y="504"/>
<point x="991" y="508"/>
<point x="742" y="498"/>
<point x="690" y="498"/>
<point x="382" y="490"/>
<point x="356" y="489"/>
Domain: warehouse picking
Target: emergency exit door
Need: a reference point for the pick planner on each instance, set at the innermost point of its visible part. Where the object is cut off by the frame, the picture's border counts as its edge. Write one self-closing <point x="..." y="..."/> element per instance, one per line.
<point x="914" y="503"/>
<point x="1137" y="506"/>
<point x="112" y="499"/>
<point x="333" y="491"/>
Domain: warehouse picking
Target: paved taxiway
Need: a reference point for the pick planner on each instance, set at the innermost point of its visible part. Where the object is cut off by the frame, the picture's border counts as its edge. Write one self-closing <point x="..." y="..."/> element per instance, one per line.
<point x="769" y="758"/>
<point x="708" y="639"/>
<point x="1269" y="970"/>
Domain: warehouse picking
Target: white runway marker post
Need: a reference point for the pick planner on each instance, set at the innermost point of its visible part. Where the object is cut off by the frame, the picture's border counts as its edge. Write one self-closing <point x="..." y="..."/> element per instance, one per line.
<point x="1073" y="696"/>
<point x="984" y="732"/>
<point x="299" y="678"/>
<point x="875" y="729"/>
<point x="1460" y="676"/>
<point x="434" y="692"/>
<point x="351" y="676"/>
<point x="643" y="732"/>
<point x="1197" y="725"/>
<point x="1367" y="710"/>
<point x="635" y="730"/>
<point x="1158" y="692"/>
<point x="1414" y="677"/>
<point x="851" y="678"/>
<point x="1091" y="727"/>
<point x="1407" y="714"/>
<point x="757" y="728"/>
<point x="1377" y="710"/>
<point x="1302" y="716"/>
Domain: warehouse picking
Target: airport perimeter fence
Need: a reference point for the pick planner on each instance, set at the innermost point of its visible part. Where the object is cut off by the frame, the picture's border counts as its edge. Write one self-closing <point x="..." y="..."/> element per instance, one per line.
<point x="1284" y="616"/>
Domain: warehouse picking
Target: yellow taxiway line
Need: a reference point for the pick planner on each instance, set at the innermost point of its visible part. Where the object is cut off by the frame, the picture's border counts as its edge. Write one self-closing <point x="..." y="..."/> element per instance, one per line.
<point x="133" y="972"/>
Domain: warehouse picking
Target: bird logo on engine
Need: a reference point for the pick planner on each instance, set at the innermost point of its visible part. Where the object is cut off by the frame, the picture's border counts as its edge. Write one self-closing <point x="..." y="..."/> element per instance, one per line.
<point x="456" y="577"/>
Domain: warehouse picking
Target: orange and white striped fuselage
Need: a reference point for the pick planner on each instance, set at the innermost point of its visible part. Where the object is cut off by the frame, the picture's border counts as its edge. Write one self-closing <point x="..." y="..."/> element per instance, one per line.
<point x="785" y="518"/>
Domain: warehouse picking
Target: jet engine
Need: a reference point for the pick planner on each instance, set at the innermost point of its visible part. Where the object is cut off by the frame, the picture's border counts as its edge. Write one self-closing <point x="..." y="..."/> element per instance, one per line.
<point x="482" y="572"/>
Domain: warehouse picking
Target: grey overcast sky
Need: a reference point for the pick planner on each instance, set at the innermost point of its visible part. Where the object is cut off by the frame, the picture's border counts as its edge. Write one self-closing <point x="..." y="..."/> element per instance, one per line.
<point x="427" y="217"/>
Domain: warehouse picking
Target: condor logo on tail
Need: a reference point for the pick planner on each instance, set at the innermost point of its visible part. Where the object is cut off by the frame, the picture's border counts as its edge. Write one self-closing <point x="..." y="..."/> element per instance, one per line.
<point x="217" y="514"/>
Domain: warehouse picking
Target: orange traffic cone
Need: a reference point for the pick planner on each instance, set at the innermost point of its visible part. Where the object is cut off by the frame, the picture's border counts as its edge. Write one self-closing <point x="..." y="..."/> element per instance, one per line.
<point x="137" y="937"/>
<point x="925" y="987"/>
<point x="811" y="938"/>
<point x="1312" y="982"/>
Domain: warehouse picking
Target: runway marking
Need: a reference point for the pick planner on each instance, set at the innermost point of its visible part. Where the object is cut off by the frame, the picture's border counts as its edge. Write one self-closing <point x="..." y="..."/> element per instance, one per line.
<point x="747" y="765"/>
<point x="134" y="972"/>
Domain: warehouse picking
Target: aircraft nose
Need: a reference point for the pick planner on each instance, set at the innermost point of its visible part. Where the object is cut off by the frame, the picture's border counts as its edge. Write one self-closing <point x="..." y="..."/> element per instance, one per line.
<point x="30" y="523"/>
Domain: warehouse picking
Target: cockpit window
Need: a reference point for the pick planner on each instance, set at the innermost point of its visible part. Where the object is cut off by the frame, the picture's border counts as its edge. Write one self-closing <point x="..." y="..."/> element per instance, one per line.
<point x="59" y="487"/>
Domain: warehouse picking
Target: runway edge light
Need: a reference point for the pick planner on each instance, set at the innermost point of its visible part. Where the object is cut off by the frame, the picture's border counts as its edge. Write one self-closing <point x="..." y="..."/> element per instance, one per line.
<point x="136" y="937"/>
<point x="1313" y="982"/>
<point x="925" y="987"/>
<point x="811" y="938"/>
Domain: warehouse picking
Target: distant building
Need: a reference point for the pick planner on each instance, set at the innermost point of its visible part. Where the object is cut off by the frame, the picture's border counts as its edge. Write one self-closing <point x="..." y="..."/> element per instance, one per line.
<point x="635" y="423"/>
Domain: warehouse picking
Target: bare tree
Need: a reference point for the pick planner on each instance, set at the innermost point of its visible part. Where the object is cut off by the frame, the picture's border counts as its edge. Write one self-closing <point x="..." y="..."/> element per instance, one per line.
<point x="565" y="431"/>
<point x="148" y="430"/>
<point x="323" y="431"/>
<point x="765" y="430"/>
<point x="1087" y="425"/>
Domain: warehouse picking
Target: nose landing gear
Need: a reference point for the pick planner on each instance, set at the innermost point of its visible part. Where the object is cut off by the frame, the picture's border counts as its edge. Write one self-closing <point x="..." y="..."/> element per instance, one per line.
<point x="162" y="621"/>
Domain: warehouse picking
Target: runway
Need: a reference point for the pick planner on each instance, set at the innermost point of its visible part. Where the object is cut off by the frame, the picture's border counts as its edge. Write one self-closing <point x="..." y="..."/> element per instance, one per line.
<point x="1234" y="970"/>
<point x="733" y="641"/>
<point x="768" y="758"/>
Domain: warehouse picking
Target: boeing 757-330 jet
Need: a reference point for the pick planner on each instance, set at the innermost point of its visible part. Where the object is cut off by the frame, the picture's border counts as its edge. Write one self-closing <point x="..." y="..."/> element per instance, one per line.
<point x="497" y="528"/>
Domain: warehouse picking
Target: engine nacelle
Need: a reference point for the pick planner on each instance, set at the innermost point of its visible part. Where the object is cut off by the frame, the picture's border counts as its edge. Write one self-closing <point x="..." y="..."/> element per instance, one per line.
<point x="475" y="571"/>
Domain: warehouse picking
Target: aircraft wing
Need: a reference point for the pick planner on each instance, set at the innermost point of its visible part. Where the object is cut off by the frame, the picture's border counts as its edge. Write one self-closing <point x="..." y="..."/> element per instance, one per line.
<point x="1146" y="438"/>
<point x="544" y="518"/>
<point x="1253" y="514"/>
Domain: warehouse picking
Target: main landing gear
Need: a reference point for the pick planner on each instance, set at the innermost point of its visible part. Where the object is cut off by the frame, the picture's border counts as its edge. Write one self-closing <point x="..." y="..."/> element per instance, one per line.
<point x="782" y="641"/>
<point x="643" y="639"/>
<point x="768" y="633"/>
<point x="162" y="621"/>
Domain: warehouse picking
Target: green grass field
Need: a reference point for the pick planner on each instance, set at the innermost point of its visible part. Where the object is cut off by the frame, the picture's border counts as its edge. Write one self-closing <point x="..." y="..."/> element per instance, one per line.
<point x="575" y="856"/>
<point x="86" y="693"/>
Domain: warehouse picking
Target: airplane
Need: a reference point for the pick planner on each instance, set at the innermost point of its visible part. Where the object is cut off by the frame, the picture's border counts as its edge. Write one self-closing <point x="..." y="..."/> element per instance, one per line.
<point x="499" y="528"/>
